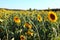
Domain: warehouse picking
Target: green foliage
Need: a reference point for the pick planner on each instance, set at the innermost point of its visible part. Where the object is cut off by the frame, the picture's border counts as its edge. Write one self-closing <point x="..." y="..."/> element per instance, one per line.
<point x="44" y="30"/>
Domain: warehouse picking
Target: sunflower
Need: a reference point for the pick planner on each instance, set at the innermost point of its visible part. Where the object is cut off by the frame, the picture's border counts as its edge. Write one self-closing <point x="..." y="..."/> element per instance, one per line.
<point x="16" y="19"/>
<point x="28" y="25"/>
<point x="22" y="37"/>
<point x="30" y="33"/>
<point x="52" y="16"/>
<point x="39" y="18"/>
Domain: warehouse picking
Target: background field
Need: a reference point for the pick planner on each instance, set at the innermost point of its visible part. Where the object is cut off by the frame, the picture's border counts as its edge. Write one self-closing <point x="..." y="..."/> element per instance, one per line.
<point x="29" y="24"/>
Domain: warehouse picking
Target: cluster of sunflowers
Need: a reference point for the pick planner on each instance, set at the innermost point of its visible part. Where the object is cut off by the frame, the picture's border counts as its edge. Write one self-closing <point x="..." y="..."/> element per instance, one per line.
<point x="29" y="25"/>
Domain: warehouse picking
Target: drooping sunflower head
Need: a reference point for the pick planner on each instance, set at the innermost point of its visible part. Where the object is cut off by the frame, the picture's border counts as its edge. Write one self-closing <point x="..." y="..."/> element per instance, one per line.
<point x="27" y="25"/>
<point x="39" y="18"/>
<point x="16" y="19"/>
<point x="22" y="37"/>
<point x="52" y="16"/>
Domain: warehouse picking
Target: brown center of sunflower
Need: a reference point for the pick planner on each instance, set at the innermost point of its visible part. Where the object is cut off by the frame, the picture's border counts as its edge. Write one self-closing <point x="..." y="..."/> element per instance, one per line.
<point x="22" y="38"/>
<point x="39" y="17"/>
<point x="52" y="16"/>
<point x="16" y="18"/>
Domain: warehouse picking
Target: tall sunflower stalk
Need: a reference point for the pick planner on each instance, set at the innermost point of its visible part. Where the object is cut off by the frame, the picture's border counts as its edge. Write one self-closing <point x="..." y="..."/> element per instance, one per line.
<point x="6" y="26"/>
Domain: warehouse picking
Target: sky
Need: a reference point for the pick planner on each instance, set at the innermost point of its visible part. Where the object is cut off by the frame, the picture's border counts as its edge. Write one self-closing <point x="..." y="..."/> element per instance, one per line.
<point x="26" y="4"/>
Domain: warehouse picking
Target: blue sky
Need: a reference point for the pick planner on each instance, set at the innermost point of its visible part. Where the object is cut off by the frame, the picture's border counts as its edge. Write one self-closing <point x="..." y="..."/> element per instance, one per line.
<point x="26" y="4"/>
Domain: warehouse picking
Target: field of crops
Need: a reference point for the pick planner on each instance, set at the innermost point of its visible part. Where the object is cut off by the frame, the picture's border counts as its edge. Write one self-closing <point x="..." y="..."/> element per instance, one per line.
<point x="29" y="25"/>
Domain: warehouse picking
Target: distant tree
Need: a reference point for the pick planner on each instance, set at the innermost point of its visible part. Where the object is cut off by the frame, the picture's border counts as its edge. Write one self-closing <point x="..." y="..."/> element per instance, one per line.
<point x="30" y="9"/>
<point x="49" y="9"/>
<point x="34" y="9"/>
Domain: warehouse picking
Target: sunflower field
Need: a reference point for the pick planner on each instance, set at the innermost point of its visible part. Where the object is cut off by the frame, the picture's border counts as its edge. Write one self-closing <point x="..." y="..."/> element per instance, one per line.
<point x="29" y="25"/>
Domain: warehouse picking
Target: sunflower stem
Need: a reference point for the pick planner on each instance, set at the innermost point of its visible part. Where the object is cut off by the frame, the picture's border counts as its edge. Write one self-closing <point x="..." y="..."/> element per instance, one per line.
<point x="36" y="28"/>
<point x="6" y="27"/>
